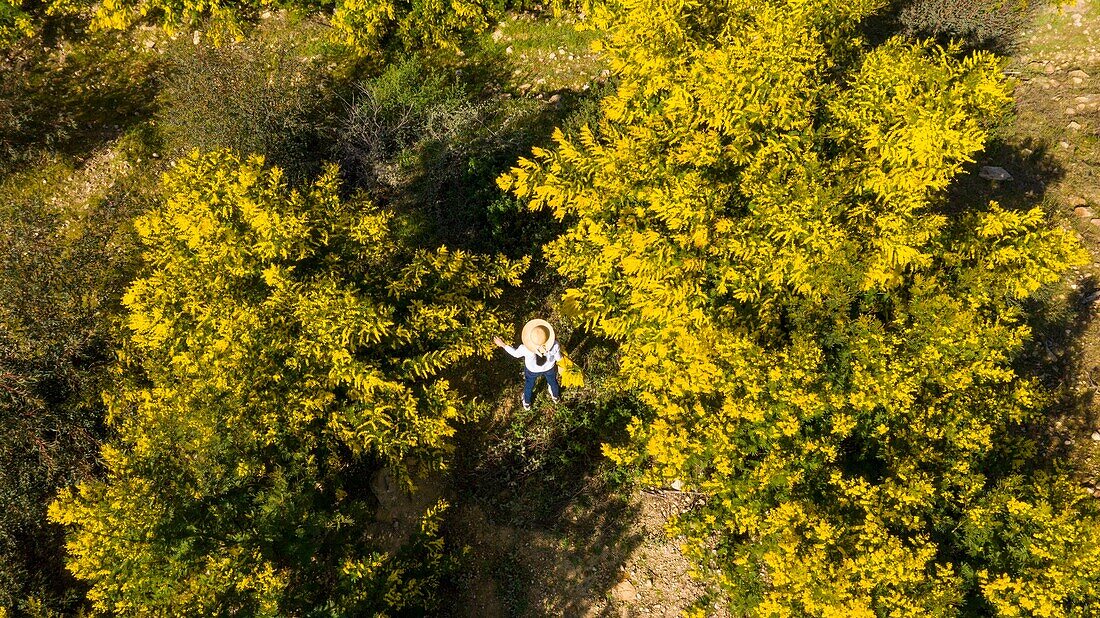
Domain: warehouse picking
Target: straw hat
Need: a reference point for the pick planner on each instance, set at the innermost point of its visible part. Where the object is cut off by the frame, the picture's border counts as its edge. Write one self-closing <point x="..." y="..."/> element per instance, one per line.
<point x="537" y="336"/>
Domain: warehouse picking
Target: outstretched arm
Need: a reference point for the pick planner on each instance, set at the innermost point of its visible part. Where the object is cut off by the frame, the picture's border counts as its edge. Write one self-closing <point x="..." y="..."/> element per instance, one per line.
<point x="507" y="348"/>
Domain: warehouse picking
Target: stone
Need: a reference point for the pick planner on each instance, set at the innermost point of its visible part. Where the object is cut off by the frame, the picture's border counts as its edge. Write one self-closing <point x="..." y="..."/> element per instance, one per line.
<point x="1070" y="111"/>
<point x="555" y="98"/>
<point x="1079" y="74"/>
<point x="678" y="485"/>
<point x="625" y="591"/>
<point x="1064" y="145"/>
<point x="990" y="172"/>
<point x="1095" y="222"/>
<point x="1073" y="126"/>
<point x="1084" y="213"/>
<point x="1096" y="436"/>
<point x="1049" y="69"/>
<point x="508" y="50"/>
<point x="497" y="35"/>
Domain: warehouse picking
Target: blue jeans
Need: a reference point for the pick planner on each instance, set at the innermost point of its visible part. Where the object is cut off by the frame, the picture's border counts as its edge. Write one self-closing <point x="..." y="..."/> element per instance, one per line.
<point x="531" y="377"/>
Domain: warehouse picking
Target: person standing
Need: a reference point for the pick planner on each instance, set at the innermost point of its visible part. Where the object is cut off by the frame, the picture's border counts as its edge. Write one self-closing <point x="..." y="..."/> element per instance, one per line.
<point x="540" y="353"/>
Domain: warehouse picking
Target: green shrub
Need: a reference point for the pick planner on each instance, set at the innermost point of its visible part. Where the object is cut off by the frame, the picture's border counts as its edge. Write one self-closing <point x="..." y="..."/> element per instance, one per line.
<point x="267" y="94"/>
<point x="977" y="24"/>
<point x="420" y="142"/>
<point x="392" y="113"/>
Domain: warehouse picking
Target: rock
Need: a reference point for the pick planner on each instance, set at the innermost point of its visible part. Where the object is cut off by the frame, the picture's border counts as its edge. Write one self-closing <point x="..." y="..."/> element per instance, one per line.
<point x="555" y="98"/>
<point x="1049" y="69"/>
<point x="1096" y="436"/>
<point x="1095" y="222"/>
<point x="990" y="172"/>
<point x="1064" y="145"/>
<point x="625" y="591"/>
<point x="1078" y="73"/>
<point x="523" y="87"/>
<point x="508" y="50"/>
<point x="1070" y="111"/>
<point x="1073" y="126"/>
<point x="678" y="485"/>
<point x="497" y="35"/>
<point x="196" y="37"/>
<point x="1084" y="213"/>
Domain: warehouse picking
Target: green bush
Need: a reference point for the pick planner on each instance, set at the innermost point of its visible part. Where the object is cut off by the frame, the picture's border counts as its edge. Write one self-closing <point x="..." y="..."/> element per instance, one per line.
<point x="419" y="141"/>
<point x="267" y="94"/>
<point x="390" y="115"/>
<point x="977" y="24"/>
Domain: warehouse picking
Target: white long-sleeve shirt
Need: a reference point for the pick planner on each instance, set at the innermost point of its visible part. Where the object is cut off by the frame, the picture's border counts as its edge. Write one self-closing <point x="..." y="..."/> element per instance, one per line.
<point x="530" y="360"/>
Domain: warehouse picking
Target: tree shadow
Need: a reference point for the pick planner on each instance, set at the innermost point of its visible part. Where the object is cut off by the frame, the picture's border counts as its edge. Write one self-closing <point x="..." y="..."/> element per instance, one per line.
<point x="1061" y="353"/>
<point x="542" y="512"/>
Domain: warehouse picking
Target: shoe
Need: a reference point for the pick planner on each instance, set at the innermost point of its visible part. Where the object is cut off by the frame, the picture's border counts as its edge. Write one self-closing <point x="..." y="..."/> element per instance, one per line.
<point x="552" y="397"/>
<point x="526" y="406"/>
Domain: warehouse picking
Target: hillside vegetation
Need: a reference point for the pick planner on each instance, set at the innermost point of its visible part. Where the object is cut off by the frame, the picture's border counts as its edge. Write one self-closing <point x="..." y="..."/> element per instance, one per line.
<point x="255" y="254"/>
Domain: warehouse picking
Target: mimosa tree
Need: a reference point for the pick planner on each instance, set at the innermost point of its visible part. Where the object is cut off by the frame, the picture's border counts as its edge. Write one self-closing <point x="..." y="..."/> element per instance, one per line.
<point x="284" y="346"/>
<point x="823" y="343"/>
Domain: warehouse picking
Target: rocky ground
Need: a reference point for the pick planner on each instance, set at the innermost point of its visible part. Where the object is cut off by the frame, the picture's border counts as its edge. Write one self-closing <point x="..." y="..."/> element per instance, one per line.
<point x="1056" y="134"/>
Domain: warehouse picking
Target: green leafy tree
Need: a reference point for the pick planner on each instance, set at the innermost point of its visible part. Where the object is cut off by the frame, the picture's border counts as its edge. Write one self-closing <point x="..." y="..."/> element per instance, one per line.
<point x="284" y="346"/>
<point x="822" y="342"/>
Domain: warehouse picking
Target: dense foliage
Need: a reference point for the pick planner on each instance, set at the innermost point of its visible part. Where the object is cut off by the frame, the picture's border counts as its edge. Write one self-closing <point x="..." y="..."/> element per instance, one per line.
<point x="284" y="346"/>
<point x="977" y="24"/>
<point x="823" y="343"/>
<point x="268" y="94"/>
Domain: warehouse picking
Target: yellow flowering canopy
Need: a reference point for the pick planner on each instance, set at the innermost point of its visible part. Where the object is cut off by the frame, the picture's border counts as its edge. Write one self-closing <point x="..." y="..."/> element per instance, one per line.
<point x="824" y="344"/>
<point x="284" y="346"/>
